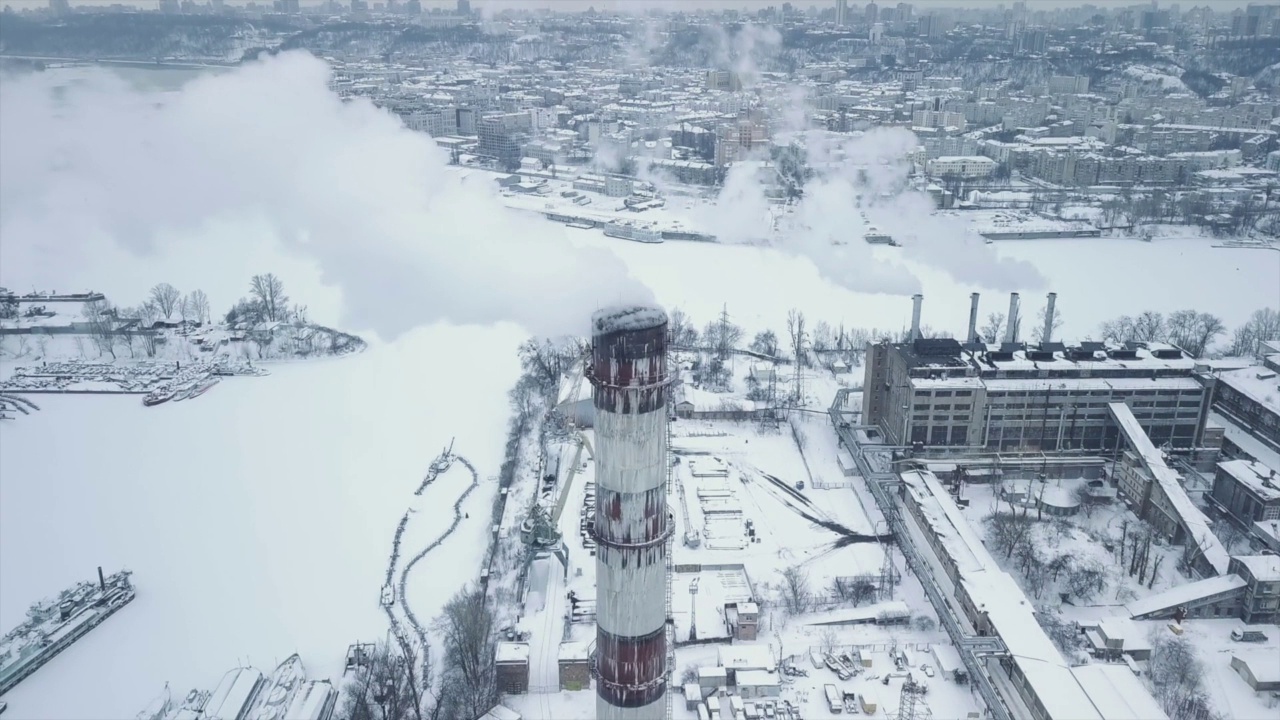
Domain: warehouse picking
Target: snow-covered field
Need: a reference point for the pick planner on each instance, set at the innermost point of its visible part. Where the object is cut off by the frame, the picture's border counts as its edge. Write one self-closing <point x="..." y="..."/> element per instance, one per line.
<point x="257" y="521"/>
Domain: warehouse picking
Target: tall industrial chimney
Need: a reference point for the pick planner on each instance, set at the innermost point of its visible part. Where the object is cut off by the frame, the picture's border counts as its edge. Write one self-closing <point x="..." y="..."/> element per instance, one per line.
<point x="1048" y="318"/>
<point x="102" y="581"/>
<point x="972" y="337"/>
<point x="916" y="301"/>
<point x="629" y="377"/>
<point x="1011" y="322"/>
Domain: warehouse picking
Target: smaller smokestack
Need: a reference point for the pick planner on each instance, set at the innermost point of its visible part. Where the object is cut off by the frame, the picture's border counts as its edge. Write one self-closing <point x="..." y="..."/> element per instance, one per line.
<point x="1048" y="318"/>
<point x="916" y="301"/>
<point x="1011" y="322"/>
<point x="973" y="319"/>
<point x="102" y="580"/>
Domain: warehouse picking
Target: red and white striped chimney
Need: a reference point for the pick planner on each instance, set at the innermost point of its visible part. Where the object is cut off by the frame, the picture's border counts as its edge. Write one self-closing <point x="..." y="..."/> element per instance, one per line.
<point x="629" y="376"/>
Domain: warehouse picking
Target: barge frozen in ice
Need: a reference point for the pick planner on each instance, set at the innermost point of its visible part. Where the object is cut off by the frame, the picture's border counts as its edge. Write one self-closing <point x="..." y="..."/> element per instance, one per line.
<point x="53" y="625"/>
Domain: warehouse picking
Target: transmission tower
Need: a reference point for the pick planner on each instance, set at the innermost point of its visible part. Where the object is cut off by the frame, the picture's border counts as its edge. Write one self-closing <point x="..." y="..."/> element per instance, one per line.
<point x="911" y="704"/>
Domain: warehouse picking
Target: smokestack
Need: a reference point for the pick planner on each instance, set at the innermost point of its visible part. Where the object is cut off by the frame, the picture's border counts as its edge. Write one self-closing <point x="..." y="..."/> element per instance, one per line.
<point x="102" y="580"/>
<point x="1048" y="318"/>
<point x="1011" y="322"/>
<point x="973" y="319"/>
<point x="631" y="528"/>
<point x="916" y="301"/>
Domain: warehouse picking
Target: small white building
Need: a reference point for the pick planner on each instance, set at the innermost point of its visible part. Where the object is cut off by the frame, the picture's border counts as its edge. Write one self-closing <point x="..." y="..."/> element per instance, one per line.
<point x="758" y="684"/>
<point x="965" y="166"/>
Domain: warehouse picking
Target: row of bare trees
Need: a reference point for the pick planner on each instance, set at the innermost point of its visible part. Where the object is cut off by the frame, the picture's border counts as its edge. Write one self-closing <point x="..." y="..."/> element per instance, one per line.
<point x="1194" y="332"/>
<point x="398" y="681"/>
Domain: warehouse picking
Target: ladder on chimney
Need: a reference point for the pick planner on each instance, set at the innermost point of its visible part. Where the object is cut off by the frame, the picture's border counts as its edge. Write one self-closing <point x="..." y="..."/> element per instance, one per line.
<point x="670" y="548"/>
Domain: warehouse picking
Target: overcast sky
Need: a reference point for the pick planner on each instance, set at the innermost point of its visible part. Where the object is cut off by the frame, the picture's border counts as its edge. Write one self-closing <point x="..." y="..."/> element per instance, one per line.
<point x="714" y="4"/>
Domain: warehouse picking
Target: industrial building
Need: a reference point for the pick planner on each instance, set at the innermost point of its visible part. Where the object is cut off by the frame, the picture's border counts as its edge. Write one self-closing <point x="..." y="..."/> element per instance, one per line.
<point x="632" y="525"/>
<point x="1018" y="397"/>
<point x="993" y="604"/>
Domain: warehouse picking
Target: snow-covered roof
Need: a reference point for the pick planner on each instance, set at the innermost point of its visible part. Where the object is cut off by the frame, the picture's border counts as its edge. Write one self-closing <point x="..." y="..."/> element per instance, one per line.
<point x="1262" y="664"/>
<point x="508" y="652"/>
<point x="575" y="650"/>
<point x="1257" y="383"/>
<point x="1259" y="478"/>
<point x="1183" y="594"/>
<point x="1251" y="445"/>
<point x="751" y="657"/>
<point x="1171" y="483"/>
<point x="756" y="678"/>
<point x="1265" y="568"/>
<point x="1117" y="693"/>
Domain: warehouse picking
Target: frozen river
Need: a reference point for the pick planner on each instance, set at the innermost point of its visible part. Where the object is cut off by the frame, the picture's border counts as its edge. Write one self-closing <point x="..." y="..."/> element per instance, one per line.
<point x="257" y="519"/>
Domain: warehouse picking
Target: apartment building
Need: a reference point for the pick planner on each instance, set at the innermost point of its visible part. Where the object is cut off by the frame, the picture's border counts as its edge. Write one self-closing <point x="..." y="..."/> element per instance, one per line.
<point x="1261" y="574"/>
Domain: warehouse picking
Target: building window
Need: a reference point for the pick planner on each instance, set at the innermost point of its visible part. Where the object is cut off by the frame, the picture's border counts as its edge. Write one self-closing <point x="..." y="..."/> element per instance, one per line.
<point x="964" y="393"/>
<point x="920" y="406"/>
<point x="942" y="393"/>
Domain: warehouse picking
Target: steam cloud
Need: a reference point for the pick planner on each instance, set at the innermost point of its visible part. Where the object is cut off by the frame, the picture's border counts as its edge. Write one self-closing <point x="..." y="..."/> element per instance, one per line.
<point x="342" y="185"/>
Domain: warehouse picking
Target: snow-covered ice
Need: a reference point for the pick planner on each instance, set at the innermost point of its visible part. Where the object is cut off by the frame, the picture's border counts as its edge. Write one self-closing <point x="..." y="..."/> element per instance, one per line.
<point x="258" y="521"/>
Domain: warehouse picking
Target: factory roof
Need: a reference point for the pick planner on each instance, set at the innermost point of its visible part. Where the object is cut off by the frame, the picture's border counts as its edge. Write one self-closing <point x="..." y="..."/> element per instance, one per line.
<point x="1259" y="384"/>
<point x="1265" y="568"/>
<point x="512" y="652"/>
<point x="1259" y="478"/>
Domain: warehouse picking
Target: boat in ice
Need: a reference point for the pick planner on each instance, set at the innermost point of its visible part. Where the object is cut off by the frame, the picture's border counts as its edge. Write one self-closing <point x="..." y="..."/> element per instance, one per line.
<point x="632" y="232"/>
<point x="200" y="388"/>
<point x="315" y="702"/>
<point x="164" y="393"/>
<point x="278" y="694"/>
<point x="53" y="625"/>
<point x="159" y="707"/>
<point x="191" y="708"/>
<point x="234" y="696"/>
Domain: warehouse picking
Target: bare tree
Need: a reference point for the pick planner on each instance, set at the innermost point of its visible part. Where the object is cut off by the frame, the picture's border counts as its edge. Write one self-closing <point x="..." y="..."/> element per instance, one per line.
<point x="796" y="597"/>
<point x="469" y="676"/>
<point x="389" y="687"/>
<point x="1149" y="326"/>
<point x="268" y="290"/>
<point x="42" y="341"/>
<point x="681" y="330"/>
<point x="994" y="329"/>
<point x="823" y="337"/>
<point x="166" y="297"/>
<point x="1176" y="674"/>
<point x="1037" y="333"/>
<point x="147" y="314"/>
<point x="102" y="321"/>
<point x="198" y="306"/>
<point x="855" y="590"/>
<point x="1008" y="531"/>
<point x="1264" y="324"/>
<point x="1086" y="579"/>
<point x="1194" y="331"/>
<point x="765" y="343"/>
<point x="828" y="641"/>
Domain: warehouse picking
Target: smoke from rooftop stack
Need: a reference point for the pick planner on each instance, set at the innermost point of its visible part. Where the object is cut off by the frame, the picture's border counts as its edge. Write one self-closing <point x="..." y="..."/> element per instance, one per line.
<point x="1048" y="318"/>
<point x="1011" y="322"/>
<point x="631" y="527"/>
<point x="972" y="337"/>
<point x="916" y="301"/>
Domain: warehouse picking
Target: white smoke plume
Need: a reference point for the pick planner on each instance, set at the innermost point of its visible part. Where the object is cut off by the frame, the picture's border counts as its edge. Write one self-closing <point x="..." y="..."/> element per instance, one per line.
<point x="266" y="162"/>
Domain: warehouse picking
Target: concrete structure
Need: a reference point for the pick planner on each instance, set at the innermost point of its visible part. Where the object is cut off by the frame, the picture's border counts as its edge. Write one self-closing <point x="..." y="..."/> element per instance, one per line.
<point x="629" y="376"/>
<point x="575" y="665"/>
<point x="1261" y="575"/>
<point x="1248" y="491"/>
<point x="964" y="166"/>
<point x="512" y="660"/>
<point x="743" y="620"/>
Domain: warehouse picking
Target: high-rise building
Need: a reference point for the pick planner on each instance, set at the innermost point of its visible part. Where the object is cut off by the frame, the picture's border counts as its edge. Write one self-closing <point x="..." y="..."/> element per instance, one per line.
<point x="872" y="13"/>
<point x="60" y="7"/>
<point x="464" y="7"/>
<point x="842" y="12"/>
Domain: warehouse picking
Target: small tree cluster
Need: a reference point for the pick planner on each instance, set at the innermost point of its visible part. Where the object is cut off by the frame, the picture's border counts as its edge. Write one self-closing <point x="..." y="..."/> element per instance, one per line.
<point x="795" y="596"/>
<point x="1176" y="675"/>
<point x="1194" y="332"/>
<point x="391" y="686"/>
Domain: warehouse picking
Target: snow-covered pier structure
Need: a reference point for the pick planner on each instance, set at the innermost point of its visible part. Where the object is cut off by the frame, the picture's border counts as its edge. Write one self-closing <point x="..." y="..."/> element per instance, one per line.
<point x="629" y="375"/>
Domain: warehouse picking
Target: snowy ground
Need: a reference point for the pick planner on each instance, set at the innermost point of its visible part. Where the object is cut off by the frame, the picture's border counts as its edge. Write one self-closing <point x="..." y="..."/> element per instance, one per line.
<point x="257" y="521"/>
